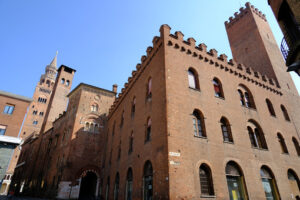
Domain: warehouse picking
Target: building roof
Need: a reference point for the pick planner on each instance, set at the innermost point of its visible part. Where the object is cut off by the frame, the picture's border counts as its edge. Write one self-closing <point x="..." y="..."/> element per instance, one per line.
<point x="90" y="86"/>
<point x="9" y="139"/>
<point x="15" y="96"/>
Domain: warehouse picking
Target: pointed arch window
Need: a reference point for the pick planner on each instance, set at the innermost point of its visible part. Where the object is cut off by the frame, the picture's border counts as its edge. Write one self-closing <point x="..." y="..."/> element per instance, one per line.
<point x="193" y="79"/>
<point x="269" y="183"/>
<point x="148" y="129"/>
<point x="296" y="144"/>
<point x="129" y="184"/>
<point x="270" y="108"/>
<point x="130" y="143"/>
<point x="294" y="182"/>
<point x="148" y="181"/>
<point x="67" y="83"/>
<point x="62" y="81"/>
<point x="122" y="119"/>
<point x="149" y="89"/>
<point x="226" y="130"/>
<point x="282" y="143"/>
<point x="133" y="106"/>
<point x="218" y="88"/>
<point x="94" y="108"/>
<point x="206" y="183"/>
<point x="256" y="135"/>
<point x="116" y="188"/>
<point x="235" y="182"/>
<point x="107" y="189"/>
<point x="198" y="124"/>
<point x="246" y="97"/>
<point x="241" y="94"/>
<point x="285" y="113"/>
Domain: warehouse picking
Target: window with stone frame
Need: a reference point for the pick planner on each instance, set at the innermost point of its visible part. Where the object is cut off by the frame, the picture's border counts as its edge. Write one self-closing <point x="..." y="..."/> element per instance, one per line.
<point x="206" y="182"/>
<point x="2" y="129"/>
<point x="218" y="88"/>
<point x="198" y="124"/>
<point x="270" y="108"/>
<point x="9" y="109"/>
<point x="148" y="130"/>
<point x="149" y="89"/>
<point x="193" y="79"/>
<point x="226" y="130"/>
<point x="246" y="97"/>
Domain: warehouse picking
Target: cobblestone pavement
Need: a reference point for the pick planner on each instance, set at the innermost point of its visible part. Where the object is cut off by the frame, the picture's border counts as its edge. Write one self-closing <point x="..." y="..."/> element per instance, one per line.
<point x="19" y="198"/>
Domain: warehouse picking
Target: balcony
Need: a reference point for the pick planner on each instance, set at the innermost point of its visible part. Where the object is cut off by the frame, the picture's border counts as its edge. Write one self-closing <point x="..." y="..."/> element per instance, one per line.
<point x="284" y="49"/>
<point x="290" y="49"/>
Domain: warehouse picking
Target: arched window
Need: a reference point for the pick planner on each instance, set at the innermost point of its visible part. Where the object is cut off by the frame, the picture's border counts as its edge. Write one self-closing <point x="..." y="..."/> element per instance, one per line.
<point x="129" y="181"/>
<point x="282" y="143"/>
<point x="119" y="151"/>
<point x="269" y="183"/>
<point x="241" y="94"/>
<point x="256" y="135"/>
<point x="94" y="108"/>
<point x="91" y="127"/>
<point x="96" y="129"/>
<point x="133" y="106"/>
<point x="296" y="144"/>
<point x="113" y="128"/>
<point x="87" y="126"/>
<point x="107" y="189"/>
<point x="270" y="107"/>
<point x="198" y="124"/>
<point x="62" y="81"/>
<point x="285" y="113"/>
<point x="67" y="83"/>
<point x="206" y="182"/>
<point x="148" y="181"/>
<point x="116" y="188"/>
<point x="246" y="97"/>
<point x="149" y="89"/>
<point x="235" y="181"/>
<point x="130" y="143"/>
<point x="193" y="79"/>
<point x="294" y="182"/>
<point x="226" y="130"/>
<point x="122" y="119"/>
<point x="218" y="88"/>
<point x="148" y="129"/>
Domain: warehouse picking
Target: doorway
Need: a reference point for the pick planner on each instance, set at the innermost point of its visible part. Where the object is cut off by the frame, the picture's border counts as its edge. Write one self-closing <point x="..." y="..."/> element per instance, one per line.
<point x="88" y="186"/>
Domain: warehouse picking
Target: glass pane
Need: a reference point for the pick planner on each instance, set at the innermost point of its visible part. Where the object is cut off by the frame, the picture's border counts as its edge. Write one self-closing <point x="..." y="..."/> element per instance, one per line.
<point x="191" y="78"/>
<point x="148" y="188"/>
<point x="269" y="190"/>
<point x="235" y="188"/>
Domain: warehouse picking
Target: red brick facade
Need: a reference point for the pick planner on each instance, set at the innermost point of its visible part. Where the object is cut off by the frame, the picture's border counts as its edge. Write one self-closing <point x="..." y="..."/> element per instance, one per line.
<point x="188" y="124"/>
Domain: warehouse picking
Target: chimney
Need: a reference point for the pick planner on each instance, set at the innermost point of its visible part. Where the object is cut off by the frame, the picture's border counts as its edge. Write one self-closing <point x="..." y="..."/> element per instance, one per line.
<point x="115" y="88"/>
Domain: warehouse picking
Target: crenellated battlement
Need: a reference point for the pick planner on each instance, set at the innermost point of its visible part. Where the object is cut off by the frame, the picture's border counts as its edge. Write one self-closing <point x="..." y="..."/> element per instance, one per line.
<point x="221" y="61"/>
<point x="199" y="52"/>
<point x="140" y="67"/>
<point x="244" y="11"/>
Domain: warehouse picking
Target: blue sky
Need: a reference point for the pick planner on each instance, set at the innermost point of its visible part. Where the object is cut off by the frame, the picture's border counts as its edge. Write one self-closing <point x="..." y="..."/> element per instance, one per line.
<point x="103" y="40"/>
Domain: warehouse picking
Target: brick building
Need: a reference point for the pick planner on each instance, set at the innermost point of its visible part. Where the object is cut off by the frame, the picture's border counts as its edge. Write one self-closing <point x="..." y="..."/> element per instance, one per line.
<point x="188" y="124"/>
<point x="13" y="109"/>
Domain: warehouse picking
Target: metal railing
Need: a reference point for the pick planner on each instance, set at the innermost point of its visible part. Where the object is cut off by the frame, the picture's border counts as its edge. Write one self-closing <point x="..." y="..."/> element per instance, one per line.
<point x="284" y="48"/>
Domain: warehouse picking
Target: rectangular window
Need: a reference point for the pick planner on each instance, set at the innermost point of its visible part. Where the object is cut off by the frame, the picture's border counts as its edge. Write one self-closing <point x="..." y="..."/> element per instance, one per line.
<point x="2" y="129"/>
<point x="9" y="109"/>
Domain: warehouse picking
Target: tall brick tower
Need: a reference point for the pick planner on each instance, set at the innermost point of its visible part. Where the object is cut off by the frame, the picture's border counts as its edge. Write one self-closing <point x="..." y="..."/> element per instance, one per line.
<point x="253" y="44"/>
<point x="59" y="100"/>
<point x="43" y="91"/>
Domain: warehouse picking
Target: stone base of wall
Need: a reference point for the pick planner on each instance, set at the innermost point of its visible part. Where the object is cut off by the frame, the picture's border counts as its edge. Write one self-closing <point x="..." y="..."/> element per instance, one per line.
<point x="66" y="191"/>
